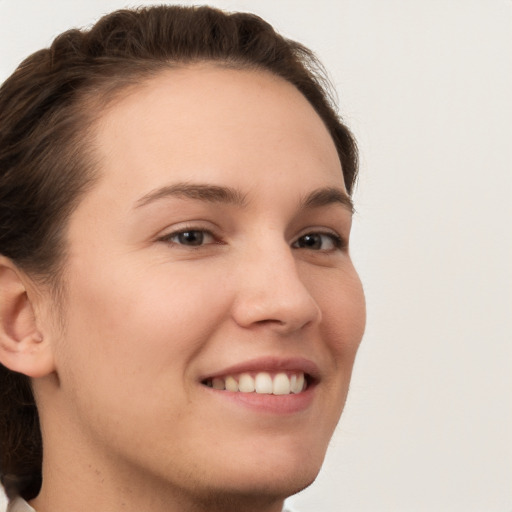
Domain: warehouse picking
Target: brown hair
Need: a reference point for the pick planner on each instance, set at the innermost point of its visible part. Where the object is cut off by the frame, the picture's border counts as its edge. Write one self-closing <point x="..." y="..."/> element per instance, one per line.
<point x="47" y="107"/>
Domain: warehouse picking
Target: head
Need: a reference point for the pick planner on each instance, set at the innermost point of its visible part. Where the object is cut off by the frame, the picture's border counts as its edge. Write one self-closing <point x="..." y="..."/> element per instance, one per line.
<point x="104" y="138"/>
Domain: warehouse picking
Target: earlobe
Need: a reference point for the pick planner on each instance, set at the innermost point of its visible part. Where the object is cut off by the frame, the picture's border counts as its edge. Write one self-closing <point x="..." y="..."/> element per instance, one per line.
<point x="23" y="348"/>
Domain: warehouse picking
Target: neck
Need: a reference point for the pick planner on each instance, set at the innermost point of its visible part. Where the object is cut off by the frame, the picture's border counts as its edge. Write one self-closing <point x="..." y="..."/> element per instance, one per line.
<point x="82" y="483"/>
<point x="82" y="472"/>
<point x="54" y="502"/>
<point x="95" y="488"/>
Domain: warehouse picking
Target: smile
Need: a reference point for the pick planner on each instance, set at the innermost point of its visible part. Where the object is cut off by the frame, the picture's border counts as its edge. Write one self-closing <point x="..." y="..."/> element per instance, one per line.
<point x="265" y="383"/>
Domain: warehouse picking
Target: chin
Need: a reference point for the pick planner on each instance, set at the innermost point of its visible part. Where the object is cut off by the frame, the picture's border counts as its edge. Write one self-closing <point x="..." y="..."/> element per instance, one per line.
<point x="289" y="485"/>
<point x="275" y="477"/>
<point x="259" y="493"/>
<point x="273" y="463"/>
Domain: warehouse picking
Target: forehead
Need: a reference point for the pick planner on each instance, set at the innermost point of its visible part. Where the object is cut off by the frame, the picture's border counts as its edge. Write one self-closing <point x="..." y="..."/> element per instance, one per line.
<point x="211" y="123"/>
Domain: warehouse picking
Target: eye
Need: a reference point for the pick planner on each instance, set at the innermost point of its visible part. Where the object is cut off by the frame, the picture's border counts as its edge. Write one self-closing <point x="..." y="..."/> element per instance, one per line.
<point x="319" y="242"/>
<point x="189" y="238"/>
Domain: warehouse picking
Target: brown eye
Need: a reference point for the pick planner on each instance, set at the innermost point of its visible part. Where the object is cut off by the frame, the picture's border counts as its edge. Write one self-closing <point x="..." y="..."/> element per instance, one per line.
<point x="318" y="242"/>
<point x="189" y="238"/>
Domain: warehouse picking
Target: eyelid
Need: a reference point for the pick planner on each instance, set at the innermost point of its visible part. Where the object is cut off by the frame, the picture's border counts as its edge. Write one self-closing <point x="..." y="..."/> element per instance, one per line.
<point x="184" y="228"/>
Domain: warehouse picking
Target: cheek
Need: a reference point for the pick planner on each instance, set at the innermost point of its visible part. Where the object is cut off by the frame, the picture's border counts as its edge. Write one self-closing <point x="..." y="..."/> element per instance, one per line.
<point x="341" y="299"/>
<point x="343" y="309"/>
<point x="139" y="328"/>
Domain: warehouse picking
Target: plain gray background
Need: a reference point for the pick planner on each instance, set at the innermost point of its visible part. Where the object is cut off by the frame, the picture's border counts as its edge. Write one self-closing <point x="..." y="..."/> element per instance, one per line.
<point x="426" y="87"/>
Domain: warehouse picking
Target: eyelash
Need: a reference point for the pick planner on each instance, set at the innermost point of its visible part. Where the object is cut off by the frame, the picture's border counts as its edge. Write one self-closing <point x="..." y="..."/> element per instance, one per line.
<point x="338" y="243"/>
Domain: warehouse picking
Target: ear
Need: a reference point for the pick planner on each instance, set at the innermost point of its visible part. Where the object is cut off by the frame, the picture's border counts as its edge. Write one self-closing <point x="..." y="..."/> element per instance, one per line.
<point x="22" y="347"/>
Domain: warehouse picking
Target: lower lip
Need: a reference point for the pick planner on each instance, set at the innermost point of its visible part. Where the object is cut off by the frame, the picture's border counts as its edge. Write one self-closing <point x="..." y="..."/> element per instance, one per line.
<point x="272" y="404"/>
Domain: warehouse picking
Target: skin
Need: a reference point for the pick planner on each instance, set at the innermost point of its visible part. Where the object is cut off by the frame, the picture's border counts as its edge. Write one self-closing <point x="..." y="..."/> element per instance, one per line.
<point x="147" y="316"/>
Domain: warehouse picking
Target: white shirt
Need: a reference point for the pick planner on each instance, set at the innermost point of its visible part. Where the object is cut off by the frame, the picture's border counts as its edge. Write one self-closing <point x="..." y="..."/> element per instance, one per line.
<point x="19" y="505"/>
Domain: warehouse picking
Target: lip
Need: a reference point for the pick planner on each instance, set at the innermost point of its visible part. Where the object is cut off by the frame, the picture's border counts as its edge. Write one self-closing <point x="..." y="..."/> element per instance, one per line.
<point x="263" y="403"/>
<point x="266" y="404"/>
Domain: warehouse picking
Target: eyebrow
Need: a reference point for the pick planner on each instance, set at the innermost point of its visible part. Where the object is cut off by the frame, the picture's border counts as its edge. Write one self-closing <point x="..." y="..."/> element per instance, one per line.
<point x="326" y="196"/>
<point x="228" y="195"/>
<point x="201" y="192"/>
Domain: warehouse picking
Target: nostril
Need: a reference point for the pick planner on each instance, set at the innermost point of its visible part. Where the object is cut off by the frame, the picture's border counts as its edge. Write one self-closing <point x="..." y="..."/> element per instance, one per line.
<point x="269" y="321"/>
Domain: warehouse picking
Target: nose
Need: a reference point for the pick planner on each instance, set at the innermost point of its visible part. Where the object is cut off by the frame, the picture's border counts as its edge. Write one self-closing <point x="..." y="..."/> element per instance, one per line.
<point x="270" y="292"/>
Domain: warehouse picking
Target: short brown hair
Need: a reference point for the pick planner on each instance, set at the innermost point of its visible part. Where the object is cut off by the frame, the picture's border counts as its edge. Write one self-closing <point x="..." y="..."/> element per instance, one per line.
<point x="47" y="107"/>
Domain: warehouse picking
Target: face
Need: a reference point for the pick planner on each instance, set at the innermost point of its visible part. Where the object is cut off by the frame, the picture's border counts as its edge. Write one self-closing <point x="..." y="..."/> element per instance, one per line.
<point x="209" y="260"/>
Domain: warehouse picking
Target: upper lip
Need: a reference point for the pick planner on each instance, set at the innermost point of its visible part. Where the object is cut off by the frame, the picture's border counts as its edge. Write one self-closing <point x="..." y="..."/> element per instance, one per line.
<point x="270" y="364"/>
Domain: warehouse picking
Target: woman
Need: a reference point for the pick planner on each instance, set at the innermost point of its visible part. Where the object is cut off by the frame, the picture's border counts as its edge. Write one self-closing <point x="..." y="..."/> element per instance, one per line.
<point x="179" y="311"/>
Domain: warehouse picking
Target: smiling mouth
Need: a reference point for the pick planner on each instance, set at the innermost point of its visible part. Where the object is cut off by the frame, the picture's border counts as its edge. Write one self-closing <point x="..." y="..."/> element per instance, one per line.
<point x="265" y="383"/>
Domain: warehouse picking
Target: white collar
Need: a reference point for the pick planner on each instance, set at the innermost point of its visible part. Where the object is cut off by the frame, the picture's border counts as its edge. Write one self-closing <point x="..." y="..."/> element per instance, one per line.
<point x="19" y="505"/>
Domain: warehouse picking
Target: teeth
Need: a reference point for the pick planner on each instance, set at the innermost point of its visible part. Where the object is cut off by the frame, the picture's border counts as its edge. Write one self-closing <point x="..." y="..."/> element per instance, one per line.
<point x="246" y="383"/>
<point x="231" y="384"/>
<point x="281" y="384"/>
<point x="299" y="384"/>
<point x="262" y="383"/>
<point x="218" y="383"/>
